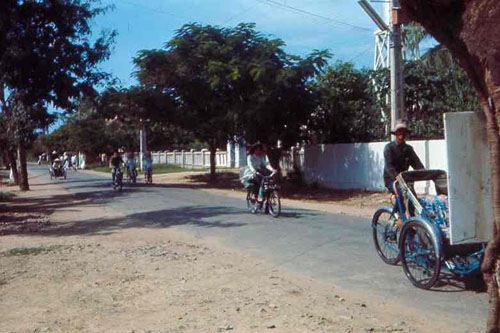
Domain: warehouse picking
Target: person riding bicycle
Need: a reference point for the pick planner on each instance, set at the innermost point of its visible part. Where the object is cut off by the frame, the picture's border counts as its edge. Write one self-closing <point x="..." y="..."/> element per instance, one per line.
<point x="130" y="165"/>
<point x="148" y="164"/>
<point x="398" y="157"/>
<point x="115" y="162"/>
<point x="259" y="165"/>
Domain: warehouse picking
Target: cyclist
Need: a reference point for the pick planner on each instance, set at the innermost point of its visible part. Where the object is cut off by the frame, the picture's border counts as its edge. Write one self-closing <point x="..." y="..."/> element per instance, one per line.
<point x="399" y="156"/>
<point x="148" y="166"/>
<point x="130" y="165"/>
<point x="115" y="162"/>
<point x="259" y="165"/>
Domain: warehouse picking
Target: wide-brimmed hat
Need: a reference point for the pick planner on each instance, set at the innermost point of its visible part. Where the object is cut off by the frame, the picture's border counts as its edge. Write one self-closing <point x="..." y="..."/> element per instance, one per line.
<point x="400" y="126"/>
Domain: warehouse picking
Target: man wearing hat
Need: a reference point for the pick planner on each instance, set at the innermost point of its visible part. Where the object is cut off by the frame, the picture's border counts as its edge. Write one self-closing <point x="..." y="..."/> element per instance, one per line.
<point x="399" y="156"/>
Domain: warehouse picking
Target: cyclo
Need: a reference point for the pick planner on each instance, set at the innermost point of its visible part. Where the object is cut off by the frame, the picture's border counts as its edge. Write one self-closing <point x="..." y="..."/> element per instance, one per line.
<point x="422" y="243"/>
<point x="57" y="170"/>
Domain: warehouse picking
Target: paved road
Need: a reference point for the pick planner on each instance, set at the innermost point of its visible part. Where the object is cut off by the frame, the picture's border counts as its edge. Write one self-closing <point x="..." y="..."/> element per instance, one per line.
<point x="333" y="248"/>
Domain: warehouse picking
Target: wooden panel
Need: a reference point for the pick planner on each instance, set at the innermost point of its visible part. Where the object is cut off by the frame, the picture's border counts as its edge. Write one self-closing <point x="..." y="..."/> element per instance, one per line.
<point x="469" y="177"/>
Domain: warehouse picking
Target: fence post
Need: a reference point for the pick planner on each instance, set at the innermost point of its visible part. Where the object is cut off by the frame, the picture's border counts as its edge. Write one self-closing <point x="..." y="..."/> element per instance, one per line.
<point x="182" y="158"/>
<point x="203" y="151"/>
<point x="192" y="158"/>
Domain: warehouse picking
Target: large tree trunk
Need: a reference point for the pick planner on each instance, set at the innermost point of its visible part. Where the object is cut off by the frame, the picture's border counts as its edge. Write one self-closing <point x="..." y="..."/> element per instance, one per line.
<point x="23" y="170"/>
<point x="470" y="30"/>
<point x="490" y="262"/>
<point x="11" y="159"/>
<point x="213" y="152"/>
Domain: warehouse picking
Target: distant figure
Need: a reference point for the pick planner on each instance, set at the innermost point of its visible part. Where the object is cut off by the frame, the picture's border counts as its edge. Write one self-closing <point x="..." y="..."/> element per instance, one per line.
<point x="53" y="156"/>
<point x="73" y="162"/>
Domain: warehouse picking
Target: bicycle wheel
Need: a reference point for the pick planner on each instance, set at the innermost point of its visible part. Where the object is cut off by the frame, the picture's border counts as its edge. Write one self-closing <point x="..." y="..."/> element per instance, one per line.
<point x="274" y="204"/>
<point x="385" y="235"/>
<point x="420" y="253"/>
<point x="252" y="203"/>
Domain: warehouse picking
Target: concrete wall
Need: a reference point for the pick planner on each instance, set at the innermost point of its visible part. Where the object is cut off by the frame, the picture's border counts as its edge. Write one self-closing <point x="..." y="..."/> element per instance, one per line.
<point x="361" y="165"/>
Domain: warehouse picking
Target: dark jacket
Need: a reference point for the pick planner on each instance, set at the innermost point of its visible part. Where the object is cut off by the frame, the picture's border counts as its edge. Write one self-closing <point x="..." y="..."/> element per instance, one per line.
<point x="116" y="161"/>
<point x="398" y="159"/>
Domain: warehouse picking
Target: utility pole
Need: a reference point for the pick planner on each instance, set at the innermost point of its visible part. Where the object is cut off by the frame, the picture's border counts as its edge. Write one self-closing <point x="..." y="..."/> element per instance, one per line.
<point x="396" y="61"/>
<point x="142" y="144"/>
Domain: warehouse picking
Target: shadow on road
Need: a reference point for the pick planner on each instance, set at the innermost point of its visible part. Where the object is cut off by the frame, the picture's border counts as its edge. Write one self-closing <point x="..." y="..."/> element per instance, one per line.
<point x="449" y="283"/>
<point x="199" y="216"/>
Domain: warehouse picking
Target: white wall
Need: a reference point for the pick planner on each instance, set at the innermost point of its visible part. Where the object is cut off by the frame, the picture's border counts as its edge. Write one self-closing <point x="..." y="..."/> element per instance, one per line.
<point x="361" y="165"/>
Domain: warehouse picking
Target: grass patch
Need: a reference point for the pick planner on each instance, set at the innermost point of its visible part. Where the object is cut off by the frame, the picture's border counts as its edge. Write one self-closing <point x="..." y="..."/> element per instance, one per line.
<point x="157" y="168"/>
<point x="6" y="196"/>
<point x="25" y="251"/>
<point x="168" y="168"/>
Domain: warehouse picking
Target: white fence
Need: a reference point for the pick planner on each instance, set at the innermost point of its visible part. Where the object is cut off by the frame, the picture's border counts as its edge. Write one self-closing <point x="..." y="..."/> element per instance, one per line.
<point x="190" y="159"/>
<point x="361" y="165"/>
<point x="338" y="166"/>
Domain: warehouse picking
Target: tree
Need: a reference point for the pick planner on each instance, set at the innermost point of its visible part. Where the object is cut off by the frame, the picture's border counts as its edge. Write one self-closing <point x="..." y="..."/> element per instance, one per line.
<point x="46" y="57"/>
<point x="231" y="81"/>
<point x="433" y="86"/>
<point x="74" y="136"/>
<point x="345" y="111"/>
<point x="469" y="30"/>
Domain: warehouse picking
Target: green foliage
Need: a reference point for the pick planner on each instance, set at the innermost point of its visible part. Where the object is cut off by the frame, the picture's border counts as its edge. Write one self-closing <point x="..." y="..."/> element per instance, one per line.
<point x="232" y="81"/>
<point x="59" y="64"/>
<point x="105" y="137"/>
<point x="433" y="86"/>
<point x="345" y="110"/>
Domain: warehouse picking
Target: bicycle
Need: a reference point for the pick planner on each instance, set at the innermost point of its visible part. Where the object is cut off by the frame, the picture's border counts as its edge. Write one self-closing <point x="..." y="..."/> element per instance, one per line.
<point x="148" y="175"/>
<point x="132" y="175"/>
<point x="271" y="199"/>
<point x="118" y="182"/>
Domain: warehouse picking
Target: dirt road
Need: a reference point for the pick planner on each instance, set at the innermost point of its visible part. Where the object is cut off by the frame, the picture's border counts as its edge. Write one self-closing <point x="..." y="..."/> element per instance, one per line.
<point x="72" y="274"/>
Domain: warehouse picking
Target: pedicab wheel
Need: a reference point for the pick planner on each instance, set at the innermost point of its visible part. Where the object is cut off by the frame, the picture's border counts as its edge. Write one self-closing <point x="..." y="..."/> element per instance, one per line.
<point x="274" y="204"/>
<point x="420" y="253"/>
<point x="252" y="203"/>
<point x="385" y="235"/>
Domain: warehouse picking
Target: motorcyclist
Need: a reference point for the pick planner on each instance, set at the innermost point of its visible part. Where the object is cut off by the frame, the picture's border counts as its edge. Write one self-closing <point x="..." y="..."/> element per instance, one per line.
<point x="259" y="165"/>
<point x="399" y="156"/>
<point x="115" y="162"/>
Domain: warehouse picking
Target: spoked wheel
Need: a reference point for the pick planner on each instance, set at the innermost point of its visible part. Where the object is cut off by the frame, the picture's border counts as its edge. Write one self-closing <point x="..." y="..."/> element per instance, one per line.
<point x="385" y="235"/>
<point x="274" y="204"/>
<point x="252" y="203"/>
<point x="420" y="253"/>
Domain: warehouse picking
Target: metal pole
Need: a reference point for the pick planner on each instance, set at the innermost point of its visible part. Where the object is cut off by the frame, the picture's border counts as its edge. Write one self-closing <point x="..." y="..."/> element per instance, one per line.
<point x="142" y="145"/>
<point x="397" y="97"/>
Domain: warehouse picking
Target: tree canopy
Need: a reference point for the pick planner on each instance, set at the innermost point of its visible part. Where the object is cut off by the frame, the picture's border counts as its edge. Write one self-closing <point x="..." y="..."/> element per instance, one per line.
<point x="230" y="81"/>
<point x="47" y="58"/>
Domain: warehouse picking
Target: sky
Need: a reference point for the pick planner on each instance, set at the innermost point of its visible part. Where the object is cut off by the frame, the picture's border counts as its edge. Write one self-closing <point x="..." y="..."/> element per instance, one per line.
<point x="341" y="26"/>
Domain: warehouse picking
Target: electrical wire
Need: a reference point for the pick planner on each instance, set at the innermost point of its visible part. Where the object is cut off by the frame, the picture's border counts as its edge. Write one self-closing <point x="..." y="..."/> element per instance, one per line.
<point x="238" y="14"/>
<point x="361" y="53"/>
<point x="305" y="12"/>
